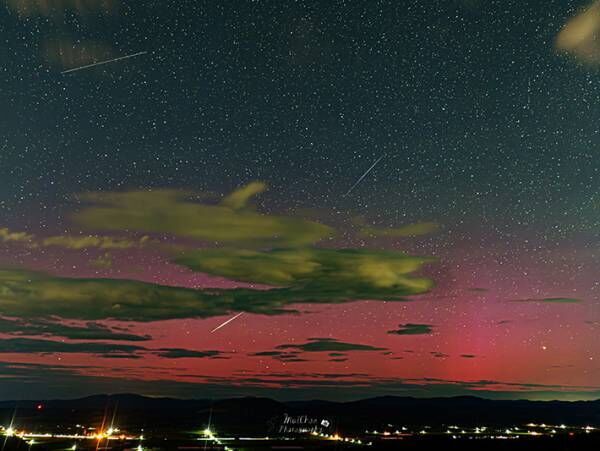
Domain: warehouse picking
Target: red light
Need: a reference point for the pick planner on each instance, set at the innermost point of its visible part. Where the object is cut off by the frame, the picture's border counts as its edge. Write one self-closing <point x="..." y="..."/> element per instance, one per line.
<point x="40" y="406"/>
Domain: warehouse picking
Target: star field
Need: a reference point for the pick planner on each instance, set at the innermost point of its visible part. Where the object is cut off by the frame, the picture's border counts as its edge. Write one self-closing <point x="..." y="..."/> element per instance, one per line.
<point x="486" y="127"/>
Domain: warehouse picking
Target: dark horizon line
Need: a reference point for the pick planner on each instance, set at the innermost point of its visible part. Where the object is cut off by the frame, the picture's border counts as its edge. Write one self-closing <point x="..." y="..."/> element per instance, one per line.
<point x="253" y="397"/>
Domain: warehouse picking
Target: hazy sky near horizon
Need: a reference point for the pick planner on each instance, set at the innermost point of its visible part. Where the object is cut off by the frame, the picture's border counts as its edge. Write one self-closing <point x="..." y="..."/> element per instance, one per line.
<point x="397" y="197"/>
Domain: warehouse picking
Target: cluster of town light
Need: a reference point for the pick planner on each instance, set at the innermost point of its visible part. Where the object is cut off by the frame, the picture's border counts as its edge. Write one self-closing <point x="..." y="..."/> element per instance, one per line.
<point x="337" y="437"/>
<point x="210" y="435"/>
<point x="531" y="429"/>
<point x="109" y="434"/>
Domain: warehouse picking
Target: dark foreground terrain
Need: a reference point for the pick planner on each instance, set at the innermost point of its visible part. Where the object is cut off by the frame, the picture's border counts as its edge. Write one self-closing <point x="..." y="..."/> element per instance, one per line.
<point x="131" y="422"/>
<point x="442" y="444"/>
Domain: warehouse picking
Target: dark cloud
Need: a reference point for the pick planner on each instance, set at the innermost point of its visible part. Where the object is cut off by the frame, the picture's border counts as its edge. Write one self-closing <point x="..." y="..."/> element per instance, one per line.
<point x="336" y="349"/>
<point x="267" y="354"/>
<point x="468" y="356"/>
<point x="119" y="356"/>
<point x="439" y="355"/>
<point x="69" y="382"/>
<point x="282" y="356"/>
<point x="91" y="331"/>
<point x="413" y="329"/>
<point x="178" y="353"/>
<point x="37" y="346"/>
<point x="328" y="344"/>
<point x="105" y="350"/>
<point x="550" y="300"/>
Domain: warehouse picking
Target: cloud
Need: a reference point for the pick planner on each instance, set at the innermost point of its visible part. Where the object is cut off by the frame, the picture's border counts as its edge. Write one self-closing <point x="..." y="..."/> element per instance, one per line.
<point x="172" y="212"/>
<point x="49" y="8"/>
<point x="8" y="236"/>
<point x="316" y="275"/>
<point x="328" y="345"/>
<point x="282" y="356"/>
<point x="37" y="346"/>
<point x="439" y="355"/>
<point x="178" y="353"/>
<point x="410" y="230"/>
<point x="93" y="241"/>
<point x="579" y="36"/>
<point x="295" y="275"/>
<point x="28" y="294"/>
<point x="550" y="300"/>
<point x="100" y="349"/>
<point x="468" y="356"/>
<point x="337" y="350"/>
<point x="413" y="329"/>
<point x="239" y="198"/>
<point x="76" y="242"/>
<point x="64" y="381"/>
<point x="102" y="262"/>
<point x="91" y="331"/>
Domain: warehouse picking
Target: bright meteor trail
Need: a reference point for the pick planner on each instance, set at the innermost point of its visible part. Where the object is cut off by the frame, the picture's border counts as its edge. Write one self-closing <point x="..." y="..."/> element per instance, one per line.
<point x="103" y="62"/>
<point x="226" y="322"/>
<point x="364" y="175"/>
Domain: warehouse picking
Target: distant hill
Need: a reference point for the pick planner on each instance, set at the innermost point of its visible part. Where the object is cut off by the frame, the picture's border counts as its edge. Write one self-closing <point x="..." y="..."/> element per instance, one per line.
<point x="262" y="415"/>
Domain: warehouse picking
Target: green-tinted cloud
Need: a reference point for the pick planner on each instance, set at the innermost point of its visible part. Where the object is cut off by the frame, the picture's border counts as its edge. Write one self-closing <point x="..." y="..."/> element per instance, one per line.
<point x="170" y="211"/>
<point x="412" y="329"/>
<point x="93" y="241"/>
<point x="318" y="274"/>
<point x="27" y="294"/>
<point x="104" y="261"/>
<point x="362" y="275"/>
<point x="9" y="236"/>
<point x="239" y="198"/>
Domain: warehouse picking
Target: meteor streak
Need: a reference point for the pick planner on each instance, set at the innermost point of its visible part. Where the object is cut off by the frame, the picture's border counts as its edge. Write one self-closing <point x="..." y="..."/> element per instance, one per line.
<point x="99" y="63"/>
<point x="226" y="322"/>
<point x="364" y="175"/>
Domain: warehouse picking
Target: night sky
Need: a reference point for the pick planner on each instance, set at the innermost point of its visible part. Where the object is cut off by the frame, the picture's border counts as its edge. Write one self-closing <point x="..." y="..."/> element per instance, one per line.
<point x="146" y="201"/>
